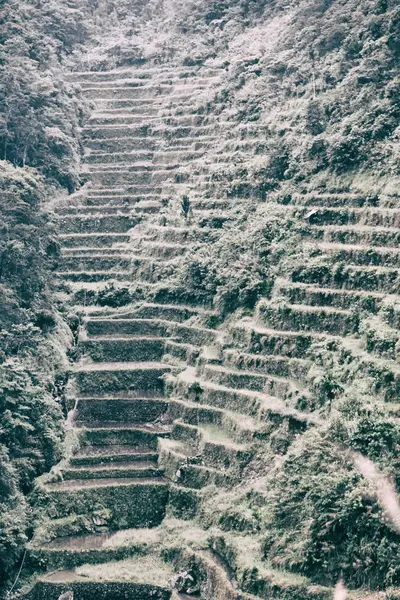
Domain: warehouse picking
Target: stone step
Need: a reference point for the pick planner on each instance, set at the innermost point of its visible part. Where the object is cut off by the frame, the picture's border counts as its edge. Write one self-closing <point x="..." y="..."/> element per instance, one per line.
<point x="121" y="133"/>
<point x="126" y="470"/>
<point x="180" y="98"/>
<point x="276" y="365"/>
<point x="299" y="293"/>
<point x="198" y="336"/>
<point x="96" y="262"/>
<point x="187" y="90"/>
<point x="197" y="143"/>
<point x="117" y="207"/>
<point x="95" y="455"/>
<point x="177" y="156"/>
<point x="301" y="317"/>
<point x="254" y="339"/>
<point x="114" y="74"/>
<point x="186" y="470"/>
<point x="124" y="203"/>
<point x="96" y="548"/>
<point x="119" y="349"/>
<point x="132" y="167"/>
<point x="121" y="143"/>
<point x="378" y="217"/>
<point x="116" y="83"/>
<point x="361" y="255"/>
<point x="137" y="326"/>
<point x="143" y="107"/>
<point x="138" y="578"/>
<point x="75" y="550"/>
<point x="131" y="190"/>
<point x="140" y="79"/>
<point x="240" y="427"/>
<point x="92" y="277"/>
<point x="148" y="207"/>
<point x="109" y="377"/>
<point x="214" y="444"/>
<point x="348" y="200"/>
<point x="104" y="191"/>
<point x="105" y="158"/>
<point x="87" y="251"/>
<point x="127" y="176"/>
<point x="167" y="109"/>
<point x="140" y="73"/>
<point x="349" y="277"/>
<point x="102" y="224"/>
<point x="137" y="105"/>
<point x="181" y="354"/>
<point x="164" y="312"/>
<point x="118" y="409"/>
<point x="121" y="118"/>
<point x="84" y="589"/>
<point x="184" y="503"/>
<point x="178" y="135"/>
<point x="97" y="240"/>
<point x="187" y="119"/>
<point x="275" y="386"/>
<point x="367" y="235"/>
<point x="252" y="404"/>
<point x="114" y="434"/>
<point x="130" y="502"/>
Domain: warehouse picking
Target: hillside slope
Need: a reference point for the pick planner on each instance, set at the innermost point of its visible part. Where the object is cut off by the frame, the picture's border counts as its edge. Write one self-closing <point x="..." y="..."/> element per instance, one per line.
<point x="233" y="258"/>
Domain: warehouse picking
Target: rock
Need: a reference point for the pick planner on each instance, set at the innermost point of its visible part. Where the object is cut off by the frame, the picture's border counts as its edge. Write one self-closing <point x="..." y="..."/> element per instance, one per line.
<point x="186" y="583"/>
<point x="67" y="596"/>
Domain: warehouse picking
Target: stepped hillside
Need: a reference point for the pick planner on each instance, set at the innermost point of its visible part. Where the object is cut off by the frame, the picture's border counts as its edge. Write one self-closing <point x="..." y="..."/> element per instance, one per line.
<point x="237" y="314"/>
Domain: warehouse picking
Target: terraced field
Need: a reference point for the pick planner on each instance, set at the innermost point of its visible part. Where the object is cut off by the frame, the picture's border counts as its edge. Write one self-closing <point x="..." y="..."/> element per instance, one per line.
<point x="169" y="402"/>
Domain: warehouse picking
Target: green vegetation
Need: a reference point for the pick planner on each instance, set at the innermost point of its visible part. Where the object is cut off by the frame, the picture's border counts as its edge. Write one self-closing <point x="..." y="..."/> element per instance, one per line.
<point x="309" y="94"/>
<point x="325" y="521"/>
<point x="239" y="268"/>
<point x="31" y="359"/>
<point x="39" y="151"/>
<point x="39" y="111"/>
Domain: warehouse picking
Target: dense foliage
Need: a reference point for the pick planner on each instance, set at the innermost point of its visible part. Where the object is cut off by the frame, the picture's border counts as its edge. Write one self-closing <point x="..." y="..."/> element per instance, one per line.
<point x="30" y="416"/>
<point x="325" y="87"/>
<point x="39" y="147"/>
<point x="325" y="520"/>
<point x="39" y="111"/>
<point x="240" y="265"/>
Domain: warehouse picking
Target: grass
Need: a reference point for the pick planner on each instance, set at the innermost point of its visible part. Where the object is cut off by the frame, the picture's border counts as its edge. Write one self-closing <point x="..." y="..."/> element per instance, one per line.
<point x="142" y="569"/>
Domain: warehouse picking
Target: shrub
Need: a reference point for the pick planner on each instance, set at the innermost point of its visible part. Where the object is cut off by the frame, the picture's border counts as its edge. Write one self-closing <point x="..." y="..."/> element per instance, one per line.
<point x="236" y="270"/>
<point x="40" y="112"/>
<point x="30" y="417"/>
<point x="325" y="521"/>
<point x="13" y="517"/>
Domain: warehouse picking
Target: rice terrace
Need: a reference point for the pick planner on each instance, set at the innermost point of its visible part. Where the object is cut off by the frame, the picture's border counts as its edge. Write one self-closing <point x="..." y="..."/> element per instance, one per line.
<point x="199" y="299"/>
